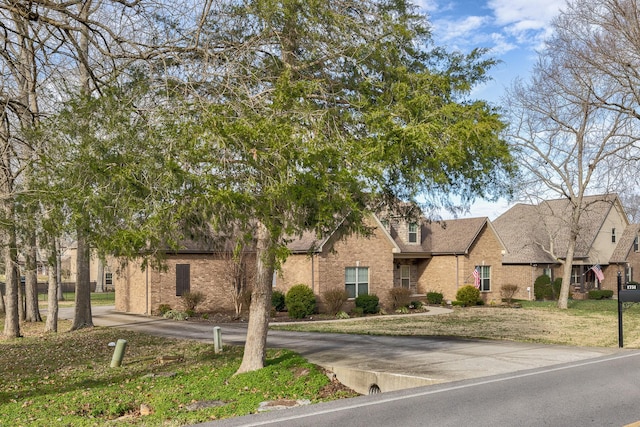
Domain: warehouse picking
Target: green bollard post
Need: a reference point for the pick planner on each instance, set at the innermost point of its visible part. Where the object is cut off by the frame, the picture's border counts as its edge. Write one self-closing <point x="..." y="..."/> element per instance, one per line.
<point x="217" y="339"/>
<point x="118" y="353"/>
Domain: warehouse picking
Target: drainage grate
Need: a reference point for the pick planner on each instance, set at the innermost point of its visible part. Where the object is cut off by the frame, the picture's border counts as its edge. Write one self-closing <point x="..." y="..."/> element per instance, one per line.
<point x="374" y="389"/>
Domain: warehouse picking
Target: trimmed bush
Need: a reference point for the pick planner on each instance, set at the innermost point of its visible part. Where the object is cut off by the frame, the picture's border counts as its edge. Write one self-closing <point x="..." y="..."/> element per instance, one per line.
<point x="435" y="298"/>
<point x="416" y="304"/>
<point x="300" y="301"/>
<point x="468" y="295"/>
<point x="277" y="301"/>
<point x="600" y="294"/>
<point x="334" y="299"/>
<point x="555" y="287"/>
<point x="400" y="297"/>
<point x="191" y="300"/>
<point x="542" y="288"/>
<point x="368" y="303"/>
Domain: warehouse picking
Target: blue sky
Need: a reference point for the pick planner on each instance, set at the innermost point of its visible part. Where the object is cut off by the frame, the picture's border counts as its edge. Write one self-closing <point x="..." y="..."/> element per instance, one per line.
<point x="513" y="30"/>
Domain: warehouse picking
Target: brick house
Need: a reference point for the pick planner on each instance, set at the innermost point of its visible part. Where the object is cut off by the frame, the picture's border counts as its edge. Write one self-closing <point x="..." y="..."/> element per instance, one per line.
<point x="536" y="237"/>
<point x="420" y="255"/>
<point x="194" y="268"/>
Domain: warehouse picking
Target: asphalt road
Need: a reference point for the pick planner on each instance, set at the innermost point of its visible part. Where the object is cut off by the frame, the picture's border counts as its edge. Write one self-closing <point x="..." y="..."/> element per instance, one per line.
<point x="476" y="382"/>
<point x="599" y="392"/>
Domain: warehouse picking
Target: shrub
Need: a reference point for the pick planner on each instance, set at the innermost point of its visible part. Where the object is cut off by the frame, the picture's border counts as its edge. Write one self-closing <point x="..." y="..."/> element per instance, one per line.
<point x="555" y="287"/>
<point x="542" y="288"/>
<point x="435" y="298"/>
<point x="300" y="301"/>
<point x="416" y="304"/>
<point x="507" y="292"/>
<point x="400" y="297"/>
<point x="402" y="310"/>
<point x="342" y="315"/>
<point x="163" y="308"/>
<point x="468" y="295"/>
<point x="277" y="301"/>
<point x="368" y="303"/>
<point x="176" y="315"/>
<point x="191" y="300"/>
<point x="334" y="299"/>
<point x="600" y="294"/>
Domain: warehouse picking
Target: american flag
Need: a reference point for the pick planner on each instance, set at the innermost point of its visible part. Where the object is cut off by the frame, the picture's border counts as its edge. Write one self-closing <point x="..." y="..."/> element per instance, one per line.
<point x="476" y="278"/>
<point x="596" y="269"/>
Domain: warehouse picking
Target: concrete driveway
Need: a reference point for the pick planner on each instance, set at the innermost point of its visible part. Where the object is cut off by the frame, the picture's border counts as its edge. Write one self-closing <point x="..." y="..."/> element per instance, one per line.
<point x="370" y="364"/>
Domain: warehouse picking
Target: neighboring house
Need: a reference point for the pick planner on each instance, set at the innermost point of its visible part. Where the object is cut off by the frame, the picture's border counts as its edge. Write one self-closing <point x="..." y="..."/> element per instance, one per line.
<point x="537" y="237"/>
<point x="625" y="259"/>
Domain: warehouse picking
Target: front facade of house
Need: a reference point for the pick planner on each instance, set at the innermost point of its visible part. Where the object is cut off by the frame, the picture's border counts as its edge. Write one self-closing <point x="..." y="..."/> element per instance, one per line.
<point x="422" y="256"/>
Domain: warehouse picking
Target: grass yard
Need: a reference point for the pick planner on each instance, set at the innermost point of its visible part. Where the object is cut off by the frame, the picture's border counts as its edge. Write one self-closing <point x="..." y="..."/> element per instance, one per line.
<point x="64" y="379"/>
<point x="587" y="323"/>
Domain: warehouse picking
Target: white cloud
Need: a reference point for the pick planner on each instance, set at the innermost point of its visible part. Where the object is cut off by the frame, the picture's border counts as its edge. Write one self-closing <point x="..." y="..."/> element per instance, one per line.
<point x="460" y="29"/>
<point x="538" y="13"/>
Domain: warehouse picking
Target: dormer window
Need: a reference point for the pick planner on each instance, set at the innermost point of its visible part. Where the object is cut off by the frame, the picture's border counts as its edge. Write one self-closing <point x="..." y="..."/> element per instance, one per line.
<point x="413" y="232"/>
<point x="613" y="235"/>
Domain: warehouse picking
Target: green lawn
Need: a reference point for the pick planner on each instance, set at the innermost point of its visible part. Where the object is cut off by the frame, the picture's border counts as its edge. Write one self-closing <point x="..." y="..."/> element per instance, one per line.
<point x="64" y="379"/>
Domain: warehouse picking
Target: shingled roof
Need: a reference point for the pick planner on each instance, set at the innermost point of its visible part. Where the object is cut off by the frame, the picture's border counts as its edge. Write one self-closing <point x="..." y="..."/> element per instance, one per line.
<point x="452" y="236"/>
<point x="625" y="245"/>
<point x="527" y="230"/>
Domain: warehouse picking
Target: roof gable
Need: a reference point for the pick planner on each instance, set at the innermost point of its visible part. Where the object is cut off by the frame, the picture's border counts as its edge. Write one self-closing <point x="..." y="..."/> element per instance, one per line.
<point x="531" y="232"/>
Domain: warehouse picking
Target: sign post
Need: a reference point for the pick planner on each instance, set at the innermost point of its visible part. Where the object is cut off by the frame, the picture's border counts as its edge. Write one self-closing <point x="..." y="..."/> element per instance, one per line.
<point x="620" y="339"/>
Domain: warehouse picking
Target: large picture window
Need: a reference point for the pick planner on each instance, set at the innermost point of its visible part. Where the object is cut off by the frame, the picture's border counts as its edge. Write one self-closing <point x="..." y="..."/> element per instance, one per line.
<point x="485" y="277"/>
<point x="356" y="281"/>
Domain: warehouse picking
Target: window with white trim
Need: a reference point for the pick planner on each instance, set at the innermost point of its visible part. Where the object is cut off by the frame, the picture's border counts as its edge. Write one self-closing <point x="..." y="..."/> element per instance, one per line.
<point x="356" y="281"/>
<point x="628" y="272"/>
<point x="485" y="277"/>
<point x="405" y="276"/>
<point x="413" y="232"/>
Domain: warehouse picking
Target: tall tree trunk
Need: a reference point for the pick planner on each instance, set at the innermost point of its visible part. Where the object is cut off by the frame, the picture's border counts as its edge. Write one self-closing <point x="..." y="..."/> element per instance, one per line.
<point x="12" y="319"/>
<point x="100" y="277"/>
<point x="52" y="288"/>
<point x="57" y="249"/>
<point x="256" y="343"/>
<point x="82" y="317"/>
<point x="32" y="311"/>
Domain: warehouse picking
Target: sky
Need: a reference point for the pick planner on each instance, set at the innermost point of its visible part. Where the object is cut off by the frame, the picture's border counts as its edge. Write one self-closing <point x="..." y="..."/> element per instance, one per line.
<point x="513" y="30"/>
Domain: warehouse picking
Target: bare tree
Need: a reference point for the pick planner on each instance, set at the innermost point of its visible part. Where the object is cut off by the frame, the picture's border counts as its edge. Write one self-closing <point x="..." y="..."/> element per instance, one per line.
<point x="569" y="126"/>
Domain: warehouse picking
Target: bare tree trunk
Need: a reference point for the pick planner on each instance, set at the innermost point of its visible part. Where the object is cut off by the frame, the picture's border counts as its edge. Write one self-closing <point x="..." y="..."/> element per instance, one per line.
<point x="82" y="317"/>
<point x="258" y="325"/>
<point x="32" y="311"/>
<point x="57" y="249"/>
<point x="12" y="320"/>
<point x="52" y="288"/>
<point x="100" y="278"/>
